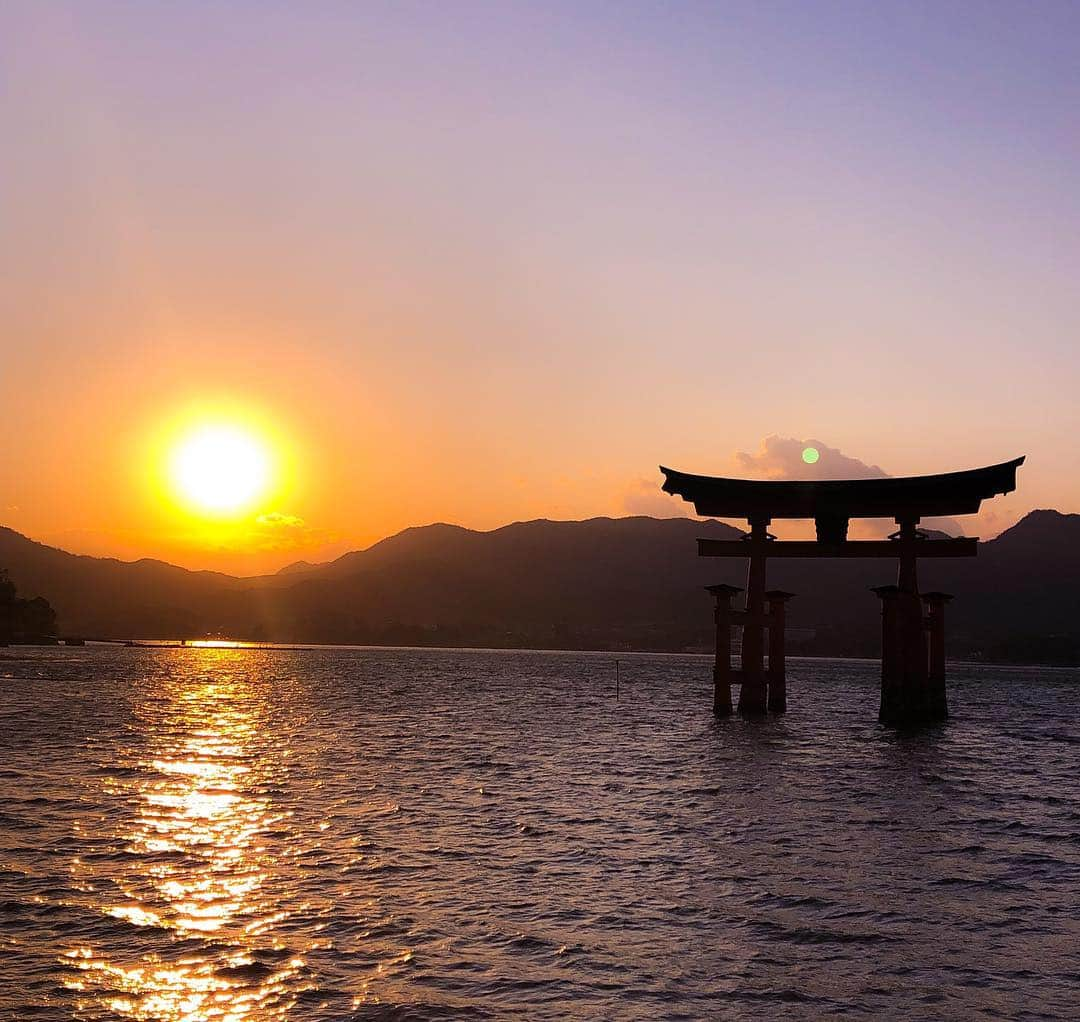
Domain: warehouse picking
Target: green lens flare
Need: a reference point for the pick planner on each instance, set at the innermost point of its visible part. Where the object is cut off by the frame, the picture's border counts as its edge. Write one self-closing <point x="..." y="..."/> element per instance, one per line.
<point x="810" y="455"/>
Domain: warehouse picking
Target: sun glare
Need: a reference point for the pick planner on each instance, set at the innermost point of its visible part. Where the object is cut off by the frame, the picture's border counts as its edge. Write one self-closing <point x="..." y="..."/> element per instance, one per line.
<point x="220" y="469"/>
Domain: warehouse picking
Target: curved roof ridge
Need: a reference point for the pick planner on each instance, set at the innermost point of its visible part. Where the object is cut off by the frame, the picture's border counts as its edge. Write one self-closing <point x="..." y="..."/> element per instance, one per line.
<point x="947" y="493"/>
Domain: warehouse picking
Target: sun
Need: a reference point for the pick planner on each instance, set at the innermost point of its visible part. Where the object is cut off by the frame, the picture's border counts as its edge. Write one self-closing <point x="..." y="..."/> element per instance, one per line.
<point x="220" y="468"/>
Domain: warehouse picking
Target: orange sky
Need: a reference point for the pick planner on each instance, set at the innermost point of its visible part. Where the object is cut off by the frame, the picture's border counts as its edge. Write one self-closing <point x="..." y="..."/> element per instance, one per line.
<point x="500" y="265"/>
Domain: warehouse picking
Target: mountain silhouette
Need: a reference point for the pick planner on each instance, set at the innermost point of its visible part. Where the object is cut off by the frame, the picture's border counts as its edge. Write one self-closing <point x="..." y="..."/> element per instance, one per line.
<point x="101" y="596"/>
<point x="626" y="583"/>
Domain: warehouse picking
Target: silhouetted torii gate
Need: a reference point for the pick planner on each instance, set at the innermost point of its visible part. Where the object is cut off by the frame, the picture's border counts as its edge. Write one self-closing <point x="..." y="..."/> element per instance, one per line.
<point x="912" y="639"/>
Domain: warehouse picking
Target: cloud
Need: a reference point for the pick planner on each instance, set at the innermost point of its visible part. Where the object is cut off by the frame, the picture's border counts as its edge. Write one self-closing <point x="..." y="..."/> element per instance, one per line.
<point x="279" y="530"/>
<point x="645" y="497"/>
<point x="280" y="520"/>
<point x="781" y="457"/>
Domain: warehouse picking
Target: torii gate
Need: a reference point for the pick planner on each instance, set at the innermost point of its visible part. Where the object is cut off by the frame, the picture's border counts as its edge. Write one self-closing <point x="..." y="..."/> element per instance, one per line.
<point x="912" y="639"/>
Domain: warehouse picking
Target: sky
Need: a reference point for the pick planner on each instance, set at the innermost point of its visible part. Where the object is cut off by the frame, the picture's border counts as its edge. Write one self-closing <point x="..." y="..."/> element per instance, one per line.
<point x="479" y="263"/>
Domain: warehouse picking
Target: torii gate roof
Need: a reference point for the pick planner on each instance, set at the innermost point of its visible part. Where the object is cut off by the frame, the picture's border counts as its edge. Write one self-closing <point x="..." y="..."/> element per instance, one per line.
<point x="951" y="493"/>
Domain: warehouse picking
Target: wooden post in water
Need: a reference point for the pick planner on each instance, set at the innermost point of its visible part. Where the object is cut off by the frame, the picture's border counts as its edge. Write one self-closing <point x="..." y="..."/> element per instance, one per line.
<point x="777" y="598"/>
<point x="752" y="692"/>
<point x="937" y="701"/>
<point x="913" y="697"/>
<point x="912" y="704"/>
<point x="722" y="665"/>
<point x="891" y="671"/>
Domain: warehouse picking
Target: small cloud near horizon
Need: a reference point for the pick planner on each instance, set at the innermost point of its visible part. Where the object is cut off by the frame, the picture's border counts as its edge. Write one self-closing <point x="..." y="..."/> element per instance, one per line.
<point x="280" y="520"/>
<point x="280" y="531"/>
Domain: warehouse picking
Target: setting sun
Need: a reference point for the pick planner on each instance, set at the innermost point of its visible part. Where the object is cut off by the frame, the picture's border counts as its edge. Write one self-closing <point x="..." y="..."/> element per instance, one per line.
<point x="220" y="468"/>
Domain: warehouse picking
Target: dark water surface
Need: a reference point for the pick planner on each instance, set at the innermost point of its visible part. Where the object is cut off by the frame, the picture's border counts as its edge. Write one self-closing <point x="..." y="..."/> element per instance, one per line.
<point x="398" y="834"/>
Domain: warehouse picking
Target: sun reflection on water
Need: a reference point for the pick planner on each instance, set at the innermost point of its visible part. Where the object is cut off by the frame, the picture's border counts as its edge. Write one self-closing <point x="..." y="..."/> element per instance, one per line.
<point x="199" y="836"/>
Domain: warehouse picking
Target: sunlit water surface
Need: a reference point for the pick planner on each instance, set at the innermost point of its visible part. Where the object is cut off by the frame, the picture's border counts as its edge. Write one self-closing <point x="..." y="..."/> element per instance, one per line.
<point x="249" y="835"/>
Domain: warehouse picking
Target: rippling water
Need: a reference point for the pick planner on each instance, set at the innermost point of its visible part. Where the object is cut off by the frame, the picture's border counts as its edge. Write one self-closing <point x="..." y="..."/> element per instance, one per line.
<point x="246" y="836"/>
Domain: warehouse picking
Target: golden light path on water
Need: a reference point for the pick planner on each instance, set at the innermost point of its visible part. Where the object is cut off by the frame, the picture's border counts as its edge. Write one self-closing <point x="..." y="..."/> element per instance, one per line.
<point x="200" y="830"/>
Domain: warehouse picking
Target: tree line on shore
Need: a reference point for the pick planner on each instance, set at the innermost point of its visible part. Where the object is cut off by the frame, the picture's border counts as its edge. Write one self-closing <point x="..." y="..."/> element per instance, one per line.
<point x="24" y="620"/>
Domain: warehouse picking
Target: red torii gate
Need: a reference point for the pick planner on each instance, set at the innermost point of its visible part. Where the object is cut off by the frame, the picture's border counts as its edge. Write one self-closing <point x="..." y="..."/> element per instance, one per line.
<point x="912" y="638"/>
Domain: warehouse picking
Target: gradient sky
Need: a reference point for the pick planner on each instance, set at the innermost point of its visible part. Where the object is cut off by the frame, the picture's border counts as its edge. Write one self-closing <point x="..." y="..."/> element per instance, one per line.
<point x="485" y="262"/>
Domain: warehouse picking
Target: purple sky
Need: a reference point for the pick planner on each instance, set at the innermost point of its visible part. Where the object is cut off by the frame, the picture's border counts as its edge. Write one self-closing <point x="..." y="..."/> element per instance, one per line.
<point x="482" y="262"/>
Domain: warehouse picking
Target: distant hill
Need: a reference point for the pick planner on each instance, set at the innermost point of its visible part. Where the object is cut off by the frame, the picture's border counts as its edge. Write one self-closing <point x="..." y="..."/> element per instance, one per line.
<point x="627" y="583"/>
<point x="1023" y="592"/>
<point x="296" y="568"/>
<point x="105" y="597"/>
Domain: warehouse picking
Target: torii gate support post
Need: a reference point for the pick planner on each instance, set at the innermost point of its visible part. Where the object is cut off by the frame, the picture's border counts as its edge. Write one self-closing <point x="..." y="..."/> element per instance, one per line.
<point x="722" y="614"/>
<point x="752" y="693"/>
<point x="937" y="701"/>
<point x="891" y="662"/>
<point x="777" y="598"/>
<point x="912" y="705"/>
<point x="913" y="682"/>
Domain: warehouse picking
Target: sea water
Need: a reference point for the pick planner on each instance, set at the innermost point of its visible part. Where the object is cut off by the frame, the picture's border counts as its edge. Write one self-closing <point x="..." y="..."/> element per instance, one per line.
<point x="248" y="835"/>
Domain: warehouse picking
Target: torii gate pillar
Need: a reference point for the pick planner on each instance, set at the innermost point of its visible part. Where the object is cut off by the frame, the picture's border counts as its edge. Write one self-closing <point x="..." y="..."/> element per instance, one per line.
<point x="752" y="693"/>
<point x="722" y="614"/>
<point x="777" y="667"/>
<point x="937" y="703"/>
